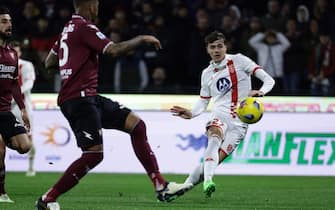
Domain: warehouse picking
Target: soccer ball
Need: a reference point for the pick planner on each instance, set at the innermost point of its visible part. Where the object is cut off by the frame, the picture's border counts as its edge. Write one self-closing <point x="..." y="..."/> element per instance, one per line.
<point x="250" y="110"/>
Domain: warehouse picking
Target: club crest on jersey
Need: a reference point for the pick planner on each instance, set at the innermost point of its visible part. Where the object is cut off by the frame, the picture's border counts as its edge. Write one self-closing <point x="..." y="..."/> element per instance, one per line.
<point x="12" y="55"/>
<point x="223" y="85"/>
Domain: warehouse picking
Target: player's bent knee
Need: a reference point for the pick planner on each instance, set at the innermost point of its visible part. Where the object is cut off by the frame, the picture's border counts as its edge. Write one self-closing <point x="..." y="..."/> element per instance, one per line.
<point x="215" y="131"/>
<point x="139" y="128"/>
<point x="24" y="148"/>
<point x="132" y="121"/>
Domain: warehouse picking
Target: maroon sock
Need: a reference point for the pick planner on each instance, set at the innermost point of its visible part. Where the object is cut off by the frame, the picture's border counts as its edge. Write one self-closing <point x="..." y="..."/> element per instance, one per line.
<point x="2" y="180"/>
<point x="73" y="174"/>
<point x="145" y="155"/>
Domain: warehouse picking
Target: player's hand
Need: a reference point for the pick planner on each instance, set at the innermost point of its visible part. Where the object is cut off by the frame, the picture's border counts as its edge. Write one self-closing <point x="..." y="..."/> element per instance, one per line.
<point x="25" y="119"/>
<point x="152" y="40"/>
<point x="256" y="93"/>
<point x="181" y="112"/>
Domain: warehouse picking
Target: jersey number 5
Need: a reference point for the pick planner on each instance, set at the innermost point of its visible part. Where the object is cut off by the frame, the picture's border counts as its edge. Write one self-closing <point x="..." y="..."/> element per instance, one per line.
<point x="65" y="49"/>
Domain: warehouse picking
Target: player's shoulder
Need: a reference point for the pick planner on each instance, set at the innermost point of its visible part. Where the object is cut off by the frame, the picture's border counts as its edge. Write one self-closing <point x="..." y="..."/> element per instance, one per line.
<point x="236" y="56"/>
<point x="239" y="58"/>
<point x="207" y="69"/>
<point x="25" y="62"/>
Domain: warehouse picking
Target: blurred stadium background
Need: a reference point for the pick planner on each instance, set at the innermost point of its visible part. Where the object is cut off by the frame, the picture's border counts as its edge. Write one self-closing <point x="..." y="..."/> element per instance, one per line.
<point x="295" y="140"/>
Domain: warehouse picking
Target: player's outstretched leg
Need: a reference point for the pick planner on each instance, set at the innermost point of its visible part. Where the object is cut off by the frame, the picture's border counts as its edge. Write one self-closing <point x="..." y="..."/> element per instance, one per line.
<point x="77" y="170"/>
<point x="165" y="191"/>
<point x="172" y="191"/>
<point x="196" y="176"/>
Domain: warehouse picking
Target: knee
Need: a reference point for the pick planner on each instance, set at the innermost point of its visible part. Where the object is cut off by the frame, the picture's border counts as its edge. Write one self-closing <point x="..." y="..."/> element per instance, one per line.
<point x="215" y="131"/>
<point x="139" y="128"/>
<point x="24" y="148"/>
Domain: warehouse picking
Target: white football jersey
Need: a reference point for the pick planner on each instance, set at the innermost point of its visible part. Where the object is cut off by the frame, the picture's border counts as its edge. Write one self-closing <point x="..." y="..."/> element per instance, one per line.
<point x="227" y="83"/>
<point x="26" y="80"/>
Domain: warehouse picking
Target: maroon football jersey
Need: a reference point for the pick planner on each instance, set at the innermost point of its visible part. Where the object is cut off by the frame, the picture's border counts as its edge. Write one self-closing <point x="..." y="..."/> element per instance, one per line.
<point x="77" y="49"/>
<point x="8" y="77"/>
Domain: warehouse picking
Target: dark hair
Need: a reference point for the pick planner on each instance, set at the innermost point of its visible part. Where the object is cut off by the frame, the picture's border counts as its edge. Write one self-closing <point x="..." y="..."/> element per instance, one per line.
<point x="213" y="36"/>
<point x="4" y="10"/>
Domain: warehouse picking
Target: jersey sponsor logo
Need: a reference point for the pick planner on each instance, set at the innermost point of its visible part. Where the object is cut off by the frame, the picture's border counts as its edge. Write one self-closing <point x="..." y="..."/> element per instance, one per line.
<point x="223" y="85"/>
<point x="69" y="28"/>
<point x="7" y="69"/>
<point x="65" y="73"/>
<point x="6" y="76"/>
<point x="100" y="35"/>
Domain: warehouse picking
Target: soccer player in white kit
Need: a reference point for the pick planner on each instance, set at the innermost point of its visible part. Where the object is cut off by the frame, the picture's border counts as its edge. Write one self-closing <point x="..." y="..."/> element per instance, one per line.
<point x="26" y="81"/>
<point x="227" y="81"/>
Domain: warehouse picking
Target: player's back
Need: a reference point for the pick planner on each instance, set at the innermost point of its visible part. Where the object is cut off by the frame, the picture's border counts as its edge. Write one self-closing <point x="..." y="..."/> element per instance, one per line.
<point x="77" y="48"/>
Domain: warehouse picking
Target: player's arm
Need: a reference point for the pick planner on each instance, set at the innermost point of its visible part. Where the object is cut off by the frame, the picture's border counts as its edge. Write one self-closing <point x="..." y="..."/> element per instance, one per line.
<point x="268" y="83"/>
<point x="51" y="62"/>
<point x="115" y="49"/>
<point x="18" y="97"/>
<point x="199" y="107"/>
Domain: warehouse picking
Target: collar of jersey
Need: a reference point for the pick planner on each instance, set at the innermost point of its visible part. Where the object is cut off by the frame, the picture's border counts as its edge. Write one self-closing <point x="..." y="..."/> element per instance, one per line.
<point x="220" y="66"/>
<point x="78" y="16"/>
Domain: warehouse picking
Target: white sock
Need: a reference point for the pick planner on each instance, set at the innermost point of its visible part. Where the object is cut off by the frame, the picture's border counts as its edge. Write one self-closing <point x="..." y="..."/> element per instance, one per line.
<point x="31" y="157"/>
<point x="211" y="157"/>
<point x="197" y="175"/>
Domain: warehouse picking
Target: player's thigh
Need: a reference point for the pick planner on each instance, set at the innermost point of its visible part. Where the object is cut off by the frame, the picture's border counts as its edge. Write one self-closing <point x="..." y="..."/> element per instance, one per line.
<point x="84" y="117"/>
<point x="10" y="127"/>
<point x="20" y="142"/>
<point x="216" y="127"/>
<point x="114" y="115"/>
<point x="233" y="138"/>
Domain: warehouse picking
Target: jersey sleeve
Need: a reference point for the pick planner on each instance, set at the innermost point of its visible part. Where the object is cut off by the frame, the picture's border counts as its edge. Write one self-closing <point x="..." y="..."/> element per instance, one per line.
<point x="248" y="65"/>
<point x="93" y="37"/>
<point x="205" y="90"/>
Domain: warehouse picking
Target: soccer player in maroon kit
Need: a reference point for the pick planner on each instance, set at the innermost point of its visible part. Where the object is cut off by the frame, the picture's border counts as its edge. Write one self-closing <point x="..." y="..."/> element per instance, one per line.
<point x="12" y="133"/>
<point x="75" y="55"/>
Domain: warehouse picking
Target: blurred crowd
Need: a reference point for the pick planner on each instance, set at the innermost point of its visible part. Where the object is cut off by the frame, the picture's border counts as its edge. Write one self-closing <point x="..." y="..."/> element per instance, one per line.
<point x="292" y="40"/>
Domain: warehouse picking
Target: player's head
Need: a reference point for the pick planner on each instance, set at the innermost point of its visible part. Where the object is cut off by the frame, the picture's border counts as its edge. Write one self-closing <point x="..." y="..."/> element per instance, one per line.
<point x="5" y="23"/>
<point x="216" y="47"/>
<point x="17" y="47"/>
<point x="88" y="6"/>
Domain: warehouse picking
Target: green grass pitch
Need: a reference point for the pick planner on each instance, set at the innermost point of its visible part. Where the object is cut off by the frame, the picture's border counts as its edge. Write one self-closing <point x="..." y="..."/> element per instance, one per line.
<point x="135" y="192"/>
